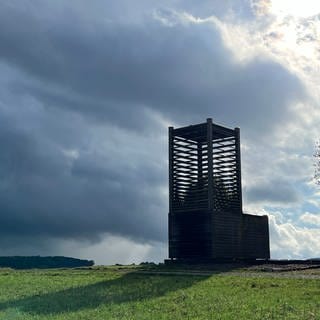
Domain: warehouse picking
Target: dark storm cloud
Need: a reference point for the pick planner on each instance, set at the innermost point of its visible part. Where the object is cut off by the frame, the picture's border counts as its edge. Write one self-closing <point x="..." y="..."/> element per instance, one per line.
<point x="96" y="66"/>
<point x="43" y="194"/>
<point x="82" y="145"/>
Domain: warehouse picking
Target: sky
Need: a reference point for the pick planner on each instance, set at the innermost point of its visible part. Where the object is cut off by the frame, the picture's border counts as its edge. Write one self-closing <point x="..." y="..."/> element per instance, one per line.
<point x="87" y="92"/>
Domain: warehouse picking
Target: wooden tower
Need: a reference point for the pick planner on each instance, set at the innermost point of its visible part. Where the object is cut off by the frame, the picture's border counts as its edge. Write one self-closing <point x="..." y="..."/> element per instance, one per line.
<point x="206" y="221"/>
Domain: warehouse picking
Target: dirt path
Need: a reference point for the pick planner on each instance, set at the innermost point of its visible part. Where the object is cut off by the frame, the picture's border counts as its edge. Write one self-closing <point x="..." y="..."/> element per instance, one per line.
<point x="290" y="275"/>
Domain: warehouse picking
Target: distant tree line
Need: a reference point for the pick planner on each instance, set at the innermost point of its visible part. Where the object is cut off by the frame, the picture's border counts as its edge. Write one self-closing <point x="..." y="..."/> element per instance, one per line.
<point x="30" y="262"/>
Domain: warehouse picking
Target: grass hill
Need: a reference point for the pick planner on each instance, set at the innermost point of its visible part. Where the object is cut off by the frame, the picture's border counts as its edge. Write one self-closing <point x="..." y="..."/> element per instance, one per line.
<point x="159" y="292"/>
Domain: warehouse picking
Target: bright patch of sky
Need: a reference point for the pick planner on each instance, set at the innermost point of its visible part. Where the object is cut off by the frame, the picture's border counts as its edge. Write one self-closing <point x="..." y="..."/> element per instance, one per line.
<point x="297" y="8"/>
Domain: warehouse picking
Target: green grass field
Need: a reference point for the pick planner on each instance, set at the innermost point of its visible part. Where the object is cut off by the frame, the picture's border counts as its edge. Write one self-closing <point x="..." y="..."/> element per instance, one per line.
<point x="124" y="293"/>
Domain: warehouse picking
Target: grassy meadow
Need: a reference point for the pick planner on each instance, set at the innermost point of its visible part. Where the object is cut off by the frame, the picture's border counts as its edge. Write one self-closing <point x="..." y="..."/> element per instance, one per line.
<point x="126" y="293"/>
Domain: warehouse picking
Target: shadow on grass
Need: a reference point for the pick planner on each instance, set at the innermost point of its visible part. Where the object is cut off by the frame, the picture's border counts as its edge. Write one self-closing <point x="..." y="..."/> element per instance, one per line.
<point x="128" y="288"/>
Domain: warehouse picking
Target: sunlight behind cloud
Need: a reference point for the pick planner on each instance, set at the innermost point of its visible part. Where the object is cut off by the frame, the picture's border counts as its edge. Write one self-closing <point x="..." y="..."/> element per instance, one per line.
<point x="295" y="8"/>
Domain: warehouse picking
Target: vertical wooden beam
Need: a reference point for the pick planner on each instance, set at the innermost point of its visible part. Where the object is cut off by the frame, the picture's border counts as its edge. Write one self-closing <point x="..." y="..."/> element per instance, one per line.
<point x="267" y="239"/>
<point x="210" y="164"/>
<point x="170" y="168"/>
<point x="200" y="171"/>
<point x="238" y="164"/>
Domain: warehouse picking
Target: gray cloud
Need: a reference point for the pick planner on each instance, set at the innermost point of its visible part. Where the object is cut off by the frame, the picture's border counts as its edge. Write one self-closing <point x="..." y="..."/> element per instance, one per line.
<point x="46" y="191"/>
<point x="83" y="103"/>
<point x="113" y="66"/>
<point x="274" y="191"/>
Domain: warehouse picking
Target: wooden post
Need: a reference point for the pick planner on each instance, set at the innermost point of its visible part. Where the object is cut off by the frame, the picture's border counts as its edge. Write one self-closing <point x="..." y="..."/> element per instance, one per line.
<point x="238" y="163"/>
<point x="210" y="164"/>
<point x="170" y="168"/>
<point x="200" y="171"/>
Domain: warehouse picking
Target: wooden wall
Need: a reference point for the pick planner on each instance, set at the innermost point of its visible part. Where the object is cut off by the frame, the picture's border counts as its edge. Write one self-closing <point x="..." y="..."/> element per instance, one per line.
<point x="255" y="237"/>
<point x="218" y="235"/>
<point x="226" y="235"/>
<point x="190" y="235"/>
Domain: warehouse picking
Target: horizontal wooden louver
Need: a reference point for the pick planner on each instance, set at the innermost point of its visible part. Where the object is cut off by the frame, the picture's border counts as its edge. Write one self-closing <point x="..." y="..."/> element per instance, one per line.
<point x="190" y="180"/>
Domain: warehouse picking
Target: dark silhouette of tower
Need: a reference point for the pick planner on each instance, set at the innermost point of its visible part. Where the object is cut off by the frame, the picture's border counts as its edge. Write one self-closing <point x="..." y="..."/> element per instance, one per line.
<point x="206" y="221"/>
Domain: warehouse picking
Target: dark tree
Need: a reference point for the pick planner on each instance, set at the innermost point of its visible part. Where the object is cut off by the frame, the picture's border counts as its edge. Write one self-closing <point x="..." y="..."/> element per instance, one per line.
<point x="30" y="262"/>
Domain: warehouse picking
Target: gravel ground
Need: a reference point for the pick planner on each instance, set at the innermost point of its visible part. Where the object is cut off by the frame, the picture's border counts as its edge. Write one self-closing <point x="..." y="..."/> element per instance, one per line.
<point x="274" y="271"/>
